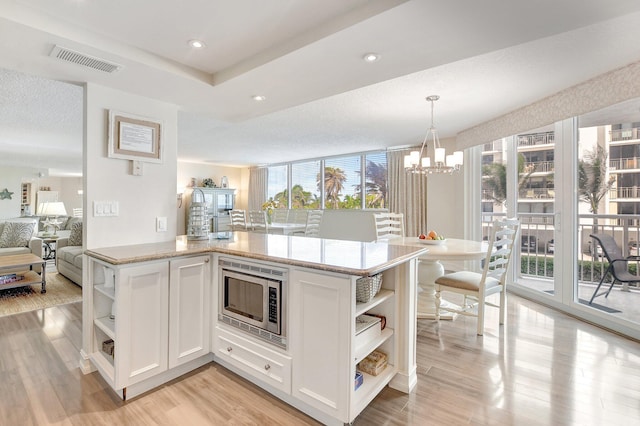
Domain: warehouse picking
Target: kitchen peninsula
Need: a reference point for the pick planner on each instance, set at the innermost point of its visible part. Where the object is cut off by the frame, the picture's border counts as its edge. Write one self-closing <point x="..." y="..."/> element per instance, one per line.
<point x="153" y="312"/>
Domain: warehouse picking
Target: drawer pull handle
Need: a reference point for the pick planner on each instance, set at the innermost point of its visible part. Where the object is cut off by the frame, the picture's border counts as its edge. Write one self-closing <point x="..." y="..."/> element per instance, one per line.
<point x="229" y="348"/>
<point x="267" y="367"/>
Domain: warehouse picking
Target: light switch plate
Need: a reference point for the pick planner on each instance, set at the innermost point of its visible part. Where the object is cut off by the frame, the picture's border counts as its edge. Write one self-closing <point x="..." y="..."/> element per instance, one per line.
<point x="136" y="168"/>
<point x="161" y="224"/>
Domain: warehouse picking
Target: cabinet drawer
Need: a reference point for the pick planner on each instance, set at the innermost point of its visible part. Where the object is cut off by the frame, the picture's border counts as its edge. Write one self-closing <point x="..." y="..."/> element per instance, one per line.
<point x="257" y="360"/>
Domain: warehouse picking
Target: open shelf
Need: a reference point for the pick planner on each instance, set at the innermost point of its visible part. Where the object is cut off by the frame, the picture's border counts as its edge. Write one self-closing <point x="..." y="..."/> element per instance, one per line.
<point x="382" y="295"/>
<point x="29" y="278"/>
<point x="371" y="386"/>
<point x="104" y="363"/>
<point x="363" y="350"/>
<point x="110" y="292"/>
<point x="107" y="325"/>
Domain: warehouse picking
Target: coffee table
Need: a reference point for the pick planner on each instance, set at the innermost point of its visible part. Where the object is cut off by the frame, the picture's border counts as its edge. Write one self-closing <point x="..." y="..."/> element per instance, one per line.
<point x="16" y="263"/>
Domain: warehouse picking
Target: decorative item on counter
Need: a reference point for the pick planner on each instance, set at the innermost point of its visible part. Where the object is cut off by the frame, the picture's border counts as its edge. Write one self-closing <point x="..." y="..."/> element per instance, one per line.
<point x="368" y="287"/>
<point x="208" y="183"/>
<point x="198" y="226"/>
<point x="358" y="381"/>
<point x="224" y="182"/>
<point x="269" y="206"/>
<point x="374" y="363"/>
<point x="193" y="183"/>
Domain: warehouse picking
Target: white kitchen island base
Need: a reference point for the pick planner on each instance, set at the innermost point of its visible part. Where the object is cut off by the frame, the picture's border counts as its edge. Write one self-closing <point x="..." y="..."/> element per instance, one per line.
<point x="168" y="322"/>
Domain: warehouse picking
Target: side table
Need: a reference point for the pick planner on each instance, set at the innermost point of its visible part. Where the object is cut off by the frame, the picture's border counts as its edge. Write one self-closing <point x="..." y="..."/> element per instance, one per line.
<point x="49" y="246"/>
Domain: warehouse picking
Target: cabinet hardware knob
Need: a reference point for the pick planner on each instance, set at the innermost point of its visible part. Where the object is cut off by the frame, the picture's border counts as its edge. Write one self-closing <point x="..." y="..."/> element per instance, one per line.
<point x="206" y="260"/>
<point x="267" y="367"/>
<point x="229" y="348"/>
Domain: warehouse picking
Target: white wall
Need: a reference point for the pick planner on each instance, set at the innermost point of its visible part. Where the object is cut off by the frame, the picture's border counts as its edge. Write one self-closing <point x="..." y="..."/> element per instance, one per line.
<point x="445" y="200"/>
<point x="445" y="205"/>
<point x="12" y="181"/>
<point x="141" y="198"/>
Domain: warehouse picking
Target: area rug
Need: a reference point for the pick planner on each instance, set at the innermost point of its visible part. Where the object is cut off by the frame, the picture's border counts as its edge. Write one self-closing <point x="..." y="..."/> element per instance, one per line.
<point x="60" y="291"/>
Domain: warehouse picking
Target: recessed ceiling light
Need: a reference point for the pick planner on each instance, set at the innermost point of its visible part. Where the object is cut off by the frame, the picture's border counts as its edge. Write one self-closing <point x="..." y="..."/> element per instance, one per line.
<point x="371" y="57"/>
<point x="196" y="44"/>
<point x="259" y="98"/>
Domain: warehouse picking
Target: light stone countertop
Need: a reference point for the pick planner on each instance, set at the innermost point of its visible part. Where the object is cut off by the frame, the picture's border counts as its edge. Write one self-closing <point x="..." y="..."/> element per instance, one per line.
<point x="342" y="256"/>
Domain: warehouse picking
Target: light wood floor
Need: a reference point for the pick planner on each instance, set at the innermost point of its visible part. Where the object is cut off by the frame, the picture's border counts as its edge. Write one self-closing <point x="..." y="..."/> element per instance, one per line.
<point x="542" y="368"/>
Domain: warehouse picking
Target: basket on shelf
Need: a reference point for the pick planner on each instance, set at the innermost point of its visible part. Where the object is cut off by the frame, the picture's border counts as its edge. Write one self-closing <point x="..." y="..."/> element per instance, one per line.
<point x="368" y="287"/>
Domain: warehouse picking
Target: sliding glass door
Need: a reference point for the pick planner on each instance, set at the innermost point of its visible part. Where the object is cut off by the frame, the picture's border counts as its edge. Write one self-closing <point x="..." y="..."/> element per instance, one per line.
<point x="566" y="182"/>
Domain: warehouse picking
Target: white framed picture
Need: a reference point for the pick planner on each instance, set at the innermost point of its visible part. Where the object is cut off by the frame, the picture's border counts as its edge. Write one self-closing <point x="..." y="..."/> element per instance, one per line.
<point x="135" y="138"/>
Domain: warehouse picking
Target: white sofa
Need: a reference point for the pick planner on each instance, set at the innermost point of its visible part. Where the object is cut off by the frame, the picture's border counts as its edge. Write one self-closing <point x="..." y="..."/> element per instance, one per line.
<point x="32" y="243"/>
<point x="69" y="254"/>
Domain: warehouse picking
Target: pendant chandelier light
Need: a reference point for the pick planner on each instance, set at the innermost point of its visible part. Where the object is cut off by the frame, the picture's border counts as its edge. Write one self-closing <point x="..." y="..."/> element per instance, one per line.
<point x="420" y="163"/>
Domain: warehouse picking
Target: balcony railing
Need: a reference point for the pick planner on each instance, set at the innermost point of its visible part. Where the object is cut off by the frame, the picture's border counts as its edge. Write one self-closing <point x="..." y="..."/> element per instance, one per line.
<point x="536" y="139"/>
<point x="541" y="166"/>
<point x="624" y="163"/>
<point x="625" y="134"/>
<point x="536" y="194"/>
<point x="537" y="246"/>
<point x="624" y="192"/>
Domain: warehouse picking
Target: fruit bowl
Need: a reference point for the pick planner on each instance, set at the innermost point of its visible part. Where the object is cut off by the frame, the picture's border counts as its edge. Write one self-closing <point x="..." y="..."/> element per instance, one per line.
<point x="432" y="242"/>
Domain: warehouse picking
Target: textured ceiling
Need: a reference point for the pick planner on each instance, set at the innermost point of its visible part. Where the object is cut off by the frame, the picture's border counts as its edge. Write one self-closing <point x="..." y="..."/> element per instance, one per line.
<point x="483" y="58"/>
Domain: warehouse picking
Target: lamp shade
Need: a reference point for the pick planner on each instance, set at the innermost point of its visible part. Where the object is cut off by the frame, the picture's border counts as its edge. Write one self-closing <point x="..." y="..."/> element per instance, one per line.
<point x="55" y="208"/>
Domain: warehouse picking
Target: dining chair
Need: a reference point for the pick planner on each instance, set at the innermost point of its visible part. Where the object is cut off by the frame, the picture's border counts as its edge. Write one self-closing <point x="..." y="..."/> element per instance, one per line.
<point x="618" y="264"/>
<point x="258" y="221"/>
<point x="298" y="216"/>
<point x="477" y="286"/>
<point x="388" y="225"/>
<point x="238" y="220"/>
<point x="314" y="219"/>
<point x="280" y="215"/>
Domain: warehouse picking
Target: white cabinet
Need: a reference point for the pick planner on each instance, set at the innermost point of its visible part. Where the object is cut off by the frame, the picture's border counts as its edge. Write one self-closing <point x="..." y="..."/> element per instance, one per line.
<point x="267" y="365"/>
<point x="142" y="323"/>
<point x="320" y="326"/>
<point x="155" y="315"/>
<point x="324" y="347"/>
<point x="189" y="309"/>
<point x="129" y="313"/>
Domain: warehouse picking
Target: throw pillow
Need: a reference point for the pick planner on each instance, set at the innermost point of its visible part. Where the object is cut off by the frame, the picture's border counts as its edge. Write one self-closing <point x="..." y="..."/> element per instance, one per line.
<point x="75" y="237"/>
<point x="16" y="234"/>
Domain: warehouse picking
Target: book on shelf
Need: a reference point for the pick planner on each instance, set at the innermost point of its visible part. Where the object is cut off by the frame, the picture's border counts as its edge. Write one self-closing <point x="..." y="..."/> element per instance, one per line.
<point x="10" y="278"/>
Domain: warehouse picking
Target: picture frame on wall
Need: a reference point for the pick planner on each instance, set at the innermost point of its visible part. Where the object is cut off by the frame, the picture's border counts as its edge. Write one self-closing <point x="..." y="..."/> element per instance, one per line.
<point x="135" y="138"/>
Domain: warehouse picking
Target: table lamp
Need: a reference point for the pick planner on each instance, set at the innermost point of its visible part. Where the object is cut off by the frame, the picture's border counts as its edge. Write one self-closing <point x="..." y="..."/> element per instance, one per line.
<point x="55" y="209"/>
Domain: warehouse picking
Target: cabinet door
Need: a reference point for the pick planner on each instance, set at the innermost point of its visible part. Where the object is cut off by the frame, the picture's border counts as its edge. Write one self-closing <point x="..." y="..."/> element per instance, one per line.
<point x="142" y="322"/>
<point x="189" y="309"/>
<point x="320" y="330"/>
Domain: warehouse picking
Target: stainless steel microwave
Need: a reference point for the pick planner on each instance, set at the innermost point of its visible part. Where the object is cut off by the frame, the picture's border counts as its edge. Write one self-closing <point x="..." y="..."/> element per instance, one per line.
<point x="253" y="298"/>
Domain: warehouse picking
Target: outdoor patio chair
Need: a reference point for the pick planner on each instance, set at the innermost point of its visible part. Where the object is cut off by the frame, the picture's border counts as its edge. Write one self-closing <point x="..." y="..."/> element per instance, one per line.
<point x="618" y="264"/>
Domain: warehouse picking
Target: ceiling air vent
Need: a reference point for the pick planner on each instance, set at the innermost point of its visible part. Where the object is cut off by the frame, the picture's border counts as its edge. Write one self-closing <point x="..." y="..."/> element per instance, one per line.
<point x="84" y="59"/>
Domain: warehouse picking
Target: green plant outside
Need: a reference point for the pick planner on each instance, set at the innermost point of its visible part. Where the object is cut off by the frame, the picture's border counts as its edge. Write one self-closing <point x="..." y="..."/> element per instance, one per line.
<point x="587" y="270"/>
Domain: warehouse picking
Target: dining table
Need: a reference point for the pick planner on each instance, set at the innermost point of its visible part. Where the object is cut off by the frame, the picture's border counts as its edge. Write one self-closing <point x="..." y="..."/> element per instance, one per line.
<point x="430" y="268"/>
<point x="286" y="228"/>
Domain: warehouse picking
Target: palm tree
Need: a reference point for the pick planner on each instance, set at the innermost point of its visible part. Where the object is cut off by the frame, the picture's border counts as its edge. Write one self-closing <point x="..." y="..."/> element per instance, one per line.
<point x="495" y="178"/>
<point x="334" y="179"/>
<point x="375" y="185"/>
<point x="593" y="184"/>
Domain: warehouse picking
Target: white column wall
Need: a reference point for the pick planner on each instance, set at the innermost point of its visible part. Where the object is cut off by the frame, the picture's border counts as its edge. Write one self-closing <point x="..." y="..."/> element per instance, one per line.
<point x="141" y="198"/>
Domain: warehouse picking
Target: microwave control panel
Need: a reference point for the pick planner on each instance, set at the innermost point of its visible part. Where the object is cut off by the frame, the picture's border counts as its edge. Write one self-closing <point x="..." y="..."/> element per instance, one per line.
<point x="273" y="305"/>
